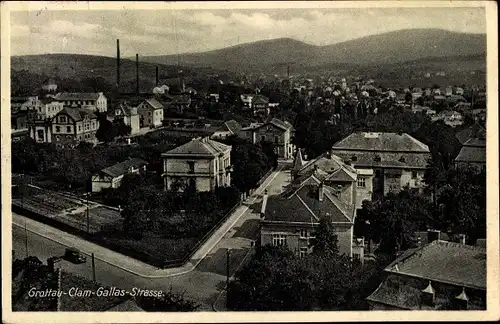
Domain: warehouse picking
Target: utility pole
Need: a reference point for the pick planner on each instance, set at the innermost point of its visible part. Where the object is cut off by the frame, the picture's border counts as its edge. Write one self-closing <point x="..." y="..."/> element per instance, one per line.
<point x="227" y="269"/>
<point x="26" y="238"/>
<point x="93" y="267"/>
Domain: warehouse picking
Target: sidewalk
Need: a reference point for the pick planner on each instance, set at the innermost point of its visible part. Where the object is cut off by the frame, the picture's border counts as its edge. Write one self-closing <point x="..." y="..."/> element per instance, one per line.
<point x="129" y="264"/>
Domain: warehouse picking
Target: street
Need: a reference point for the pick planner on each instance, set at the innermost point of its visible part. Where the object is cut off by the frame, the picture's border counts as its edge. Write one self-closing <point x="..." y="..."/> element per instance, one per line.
<point x="203" y="284"/>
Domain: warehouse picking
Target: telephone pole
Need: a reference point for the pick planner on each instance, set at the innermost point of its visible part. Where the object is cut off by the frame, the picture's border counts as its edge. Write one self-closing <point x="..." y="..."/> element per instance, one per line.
<point x="93" y="267"/>
<point x="26" y="238"/>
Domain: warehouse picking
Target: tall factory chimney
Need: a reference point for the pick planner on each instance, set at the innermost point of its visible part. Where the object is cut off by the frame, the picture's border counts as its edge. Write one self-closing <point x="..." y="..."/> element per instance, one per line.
<point x="117" y="62"/>
<point x="137" y="72"/>
<point x="288" y="71"/>
<point x="156" y="76"/>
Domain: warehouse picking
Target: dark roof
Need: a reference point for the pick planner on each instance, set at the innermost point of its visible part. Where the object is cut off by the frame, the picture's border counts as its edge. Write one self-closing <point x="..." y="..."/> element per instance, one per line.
<point x="77" y="114"/>
<point x="77" y="96"/>
<point x="301" y="204"/>
<point x="260" y="99"/>
<point x="475" y="131"/>
<point x="447" y="262"/>
<point x="381" y="142"/>
<point x="330" y="164"/>
<point x="154" y="103"/>
<point x="199" y="147"/>
<point x="122" y="168"/>
<point x="231" y="125"/>
<point x="472" y="154"/>
<point x="281" y="124"/>
<point x="387" y="159"/>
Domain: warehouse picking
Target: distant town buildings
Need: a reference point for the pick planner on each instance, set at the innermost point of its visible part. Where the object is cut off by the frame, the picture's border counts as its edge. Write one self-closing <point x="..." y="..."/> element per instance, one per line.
<point x="49" y="85"/>
<point x="201" y="164"/>
<point x="473" y="151"/>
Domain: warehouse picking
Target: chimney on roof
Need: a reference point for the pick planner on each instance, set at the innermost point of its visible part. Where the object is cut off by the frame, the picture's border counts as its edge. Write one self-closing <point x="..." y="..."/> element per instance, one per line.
<point x="321" y="191"/>
<point x="117" y="62"/>
<point x="137" y="73"/>
<point x="433" y="235"/>
<point x="156" y="76"/>
<point x="264" y="205"/>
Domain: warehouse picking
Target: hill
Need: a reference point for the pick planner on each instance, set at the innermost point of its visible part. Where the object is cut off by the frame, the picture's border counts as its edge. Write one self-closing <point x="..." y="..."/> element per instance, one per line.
<point x="392" y="47"/>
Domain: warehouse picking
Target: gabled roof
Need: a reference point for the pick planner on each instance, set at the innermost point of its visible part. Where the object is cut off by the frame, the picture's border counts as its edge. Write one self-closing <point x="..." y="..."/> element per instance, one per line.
<point x="302" y="205"/>
<point x="230" y="126"/>
<point x="77" y="114"/>
<point x="446" y="262"/>
<point x="391" y="142"/>
<point x="122" y="168"/>
<point x="330" y="165"/>
<point x="77" y="96"/>
<point x="472" y="154"/>
<point x="284" y="125"/>
<point x="260" y="99"/>
<point x="298" y="162"/>
<point x="202" y="147"/>
<point x="155" y="104"/>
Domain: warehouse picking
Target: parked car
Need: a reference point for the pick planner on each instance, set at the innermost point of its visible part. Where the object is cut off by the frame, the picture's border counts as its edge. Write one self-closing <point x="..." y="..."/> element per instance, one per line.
<point x="74" y="255"/>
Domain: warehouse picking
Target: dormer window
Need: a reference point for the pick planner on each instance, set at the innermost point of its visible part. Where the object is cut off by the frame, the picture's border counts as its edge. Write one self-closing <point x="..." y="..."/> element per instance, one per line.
<point x="354" y="158"/>
<point x="428" y="295"/>
<point x="462" y="300"/>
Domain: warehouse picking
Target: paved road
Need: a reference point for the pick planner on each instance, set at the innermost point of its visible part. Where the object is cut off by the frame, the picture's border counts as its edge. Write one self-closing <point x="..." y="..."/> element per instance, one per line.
<point x="202" y="284"/>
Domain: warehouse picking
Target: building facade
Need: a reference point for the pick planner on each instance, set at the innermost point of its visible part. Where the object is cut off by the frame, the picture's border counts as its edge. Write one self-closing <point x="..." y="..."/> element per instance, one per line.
<point x="73" y="125"/>
<point x="386" y="162"/>
<point x="150" y="113"/>
<point x="129" y="116"/>
<point x="201" y="164"/>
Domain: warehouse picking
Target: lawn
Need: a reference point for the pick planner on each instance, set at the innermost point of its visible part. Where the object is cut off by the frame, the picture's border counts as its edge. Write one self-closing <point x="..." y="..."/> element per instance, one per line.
<point x="152" y="248"/>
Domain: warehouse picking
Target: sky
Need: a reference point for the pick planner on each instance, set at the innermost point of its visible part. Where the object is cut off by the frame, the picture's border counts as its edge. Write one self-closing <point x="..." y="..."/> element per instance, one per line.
<point x="162" y="32"/>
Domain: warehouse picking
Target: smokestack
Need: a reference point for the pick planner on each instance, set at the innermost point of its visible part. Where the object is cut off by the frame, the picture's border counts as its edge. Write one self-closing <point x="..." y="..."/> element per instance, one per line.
<point x="156" y="76"/>
<point x="137" y="72"/>
<point x="117" y="62"/>
<point x="288" y="71"/>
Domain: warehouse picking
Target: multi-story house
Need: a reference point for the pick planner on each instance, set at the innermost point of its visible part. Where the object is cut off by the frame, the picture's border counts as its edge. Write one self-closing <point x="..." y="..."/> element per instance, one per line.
<point x="260" y="105"/>
<point x="129" y="116"/>
<point x="201" y="164"/>
<point x="111" y="177"/>
<point x="437" y="276"/>
<point x="96" y="101"/>
<point x="324" y="187"/>
<point x="275" y="131"/>
<point x="386" y="162"/>
<point x="49" y="108"/>
<point x="228" y="129"/>
<point x="473" y="151"/>
<point x="73" y="125"/>
<point x="150" y="113"/>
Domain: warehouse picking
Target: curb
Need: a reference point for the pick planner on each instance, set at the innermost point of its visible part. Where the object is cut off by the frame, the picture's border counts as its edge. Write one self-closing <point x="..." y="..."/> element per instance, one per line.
<point x="187" y="268"/>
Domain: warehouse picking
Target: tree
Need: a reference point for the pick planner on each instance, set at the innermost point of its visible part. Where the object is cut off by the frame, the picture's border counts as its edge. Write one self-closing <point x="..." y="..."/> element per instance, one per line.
<point x="325" y="241"/>
<point x="394" y="219"/>
<point x="106" y="132"/>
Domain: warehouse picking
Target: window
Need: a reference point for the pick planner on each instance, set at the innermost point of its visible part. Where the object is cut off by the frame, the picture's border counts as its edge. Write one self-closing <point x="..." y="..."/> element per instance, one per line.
<point x="303" y="252"/>
<point x="362" y="182"/>
<point x="62" y="119"/>
<point x="354" y="158"/>
<point x="263" y="138"/>
<point x="304" y="233"/>
<point x="79" y="128"/>
<point x="149" y="113"/>
<point x="191" y="166"/>
<point x="377" y="158"/>
<point x="276" y="139"/>
<point x="68" y="129"/>
<point x="414" y="174"/>
<point x="402" y="159"/>
<point x="58" y="129"/>
<point x="279" y="240"/>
